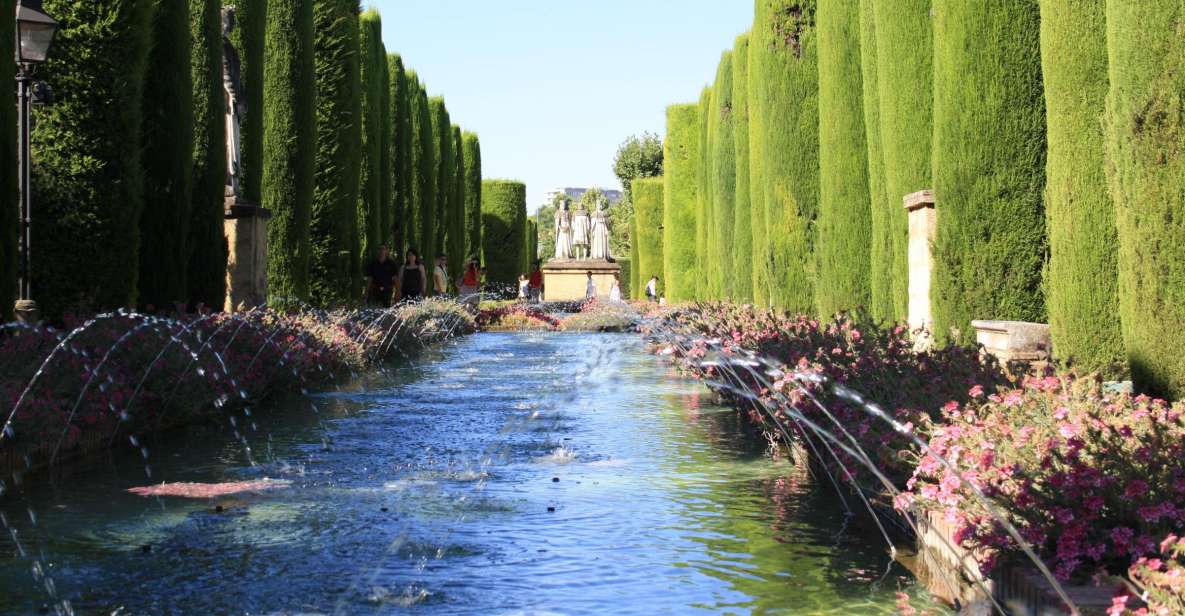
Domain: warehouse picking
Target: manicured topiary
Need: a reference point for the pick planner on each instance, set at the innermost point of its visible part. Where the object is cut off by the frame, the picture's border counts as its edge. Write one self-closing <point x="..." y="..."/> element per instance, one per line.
<point x="742" y="230"/>
<point x="424" y="157"/>
<point x="723" y="179"/>
<point x="386" y="159"/>
<point x="1146" y="159"/>
<point x="761" y="292"/>
<point x="680" y="161"/>
<point x="373" y="61"/>
<point x="471" y="154"/>
<point x="88" y="180"/>
<point x="785" y="77"/>
<point x="503" y="213"/>
<point x="705" y="283"/>
<point x="634" y="251"/>
<point x="1082" y="282"/>
<point x="400" y="112"/>
<point x="457" y="242"/>
<point x="249" y="38"/>
<point x="905" y="55"/>
<point x="206" y="245"/>
<point x="442" y="148"/>
<point x="881" y="271"/>
<point x="842" y="254"/>
<point x="335" y="260"/>
<point x="648" y="212"/>
<point x="8" y="174"/>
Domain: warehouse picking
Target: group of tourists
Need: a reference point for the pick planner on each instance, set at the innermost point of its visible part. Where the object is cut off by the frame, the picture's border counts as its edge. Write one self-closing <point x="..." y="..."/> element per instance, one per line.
<point x="530" y="288"/>
<point x="389" y="282"/>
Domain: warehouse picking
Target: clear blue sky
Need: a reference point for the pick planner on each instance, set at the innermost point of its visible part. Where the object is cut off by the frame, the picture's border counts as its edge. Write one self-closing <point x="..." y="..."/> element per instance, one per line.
<point x="553" y="86"/>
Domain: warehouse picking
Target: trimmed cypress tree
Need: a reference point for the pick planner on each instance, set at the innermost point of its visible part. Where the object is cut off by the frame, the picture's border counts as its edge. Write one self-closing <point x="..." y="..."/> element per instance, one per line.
<point x="843" y="252"/>
<point x="442" y="147"/>
<point x="168" y="158"/>
<point x="742" y="230"/>
<point x="88" y="180"/>
<point x="386" y="156"/>
<point x="400" y="151"/>
<point x="335" y="264"/>
<point x="680" y="163"/>
<point x="705" y="282"/>
<point x="989" y="164"/>
<point x="757" y="221"/>
<point x="289" y="145"/>
<point x="249" y="38"/>
<point x="374" y="88"/>
<point x="648" y="213"/>
<point x="786" y="78"/>
<point x="503" y="215"/>
<point x="634" y="250"/>
<point x="9" y="225"/>
<point x="424" y="153"/>
<point x="905" y="56"/>
<point x="457" y="242"/>
<point x="1082" y="284"/>
<point x="471" y="154"/>
<point x="206" y="244"/>
<point x="882" y="305"/>
<point x="723" y="178"/>
<point x="1146" y="163"/>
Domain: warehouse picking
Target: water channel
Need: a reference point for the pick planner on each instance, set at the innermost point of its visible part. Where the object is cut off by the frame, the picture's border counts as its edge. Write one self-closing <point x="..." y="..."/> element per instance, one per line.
<point x="516" y="473"/>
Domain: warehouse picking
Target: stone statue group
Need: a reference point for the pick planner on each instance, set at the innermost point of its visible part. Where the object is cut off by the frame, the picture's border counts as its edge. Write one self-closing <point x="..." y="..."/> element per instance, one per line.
<point x="580" y="236"/>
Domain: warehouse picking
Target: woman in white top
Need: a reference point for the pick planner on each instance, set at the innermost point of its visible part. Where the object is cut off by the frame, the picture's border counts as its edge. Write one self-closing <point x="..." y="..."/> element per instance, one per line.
<point x="615" y="291"/>
<point x="590" y="290"/>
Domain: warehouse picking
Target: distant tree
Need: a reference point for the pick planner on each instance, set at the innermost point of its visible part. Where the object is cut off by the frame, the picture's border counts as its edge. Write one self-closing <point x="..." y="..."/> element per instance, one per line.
<point x="639" y="156"/>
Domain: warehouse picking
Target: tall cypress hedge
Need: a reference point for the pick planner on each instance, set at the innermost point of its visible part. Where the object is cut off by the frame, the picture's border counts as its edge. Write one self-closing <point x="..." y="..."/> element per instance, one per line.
<point x="249" y="38"/>
<point x="207" y="242"/>
<point x="289" y="144"/>
<point x="503" y="214"/>
<point x="785" y="75"/>
<point x="400" y="151"/>
<point x="680" y="163"/>
<point x="471" y="154"/>
<point x="442" y="147"/>
<point x="742" y="230"/>
<point x="9" y="245"/>
<point x="424" y="153"/>
<point x="882" y="301"/>
<point x="989" y="164"/>
<point x="757" y="220"/>
<point x="1082" y="283"/>
<point x="335" y="264"/>
<point x="374" y="88"/>
<point x="1146" y="162"/>
<point x="457" y="242"/>
<point x="386" y="156"/>
<point x="705" y="281"/>
<point x="88" y="180"/>
<point x="168" y="158"/>
<point x="723" y="178"/>
<point x="905" y="57"/>
<point x="649" y="215"/>
<point x="635" y="257"/>
<point x="843" y="251"/>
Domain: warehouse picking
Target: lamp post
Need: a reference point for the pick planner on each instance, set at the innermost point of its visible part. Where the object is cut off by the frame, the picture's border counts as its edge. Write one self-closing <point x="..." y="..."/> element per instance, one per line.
<point x="34" y="36"/>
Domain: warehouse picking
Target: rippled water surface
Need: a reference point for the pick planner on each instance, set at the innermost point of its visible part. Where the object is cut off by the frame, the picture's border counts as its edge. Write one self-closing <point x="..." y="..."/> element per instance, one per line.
<point x="499" y="474"/>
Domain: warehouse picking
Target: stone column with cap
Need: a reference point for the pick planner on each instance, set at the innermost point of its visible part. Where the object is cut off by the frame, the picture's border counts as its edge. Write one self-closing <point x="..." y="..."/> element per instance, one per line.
<point x="923" y="221"/>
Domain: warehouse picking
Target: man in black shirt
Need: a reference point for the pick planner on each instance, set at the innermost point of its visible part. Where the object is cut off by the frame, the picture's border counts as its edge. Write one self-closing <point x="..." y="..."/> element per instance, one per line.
<point x="381" y="272"/>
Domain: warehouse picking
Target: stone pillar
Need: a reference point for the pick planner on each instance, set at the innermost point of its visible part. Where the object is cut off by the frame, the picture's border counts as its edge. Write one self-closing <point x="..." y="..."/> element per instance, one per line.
<point x="922" y="224"/>
<point x="246" y="263"/>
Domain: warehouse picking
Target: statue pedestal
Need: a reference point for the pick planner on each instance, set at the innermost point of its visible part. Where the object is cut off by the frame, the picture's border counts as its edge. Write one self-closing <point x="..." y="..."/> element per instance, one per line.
<point x="246" y="263"/>
<point x="566" y="280"/>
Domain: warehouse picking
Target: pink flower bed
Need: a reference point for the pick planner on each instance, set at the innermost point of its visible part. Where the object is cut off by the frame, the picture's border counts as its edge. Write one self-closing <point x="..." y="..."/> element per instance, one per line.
<point x="516" y="316"/>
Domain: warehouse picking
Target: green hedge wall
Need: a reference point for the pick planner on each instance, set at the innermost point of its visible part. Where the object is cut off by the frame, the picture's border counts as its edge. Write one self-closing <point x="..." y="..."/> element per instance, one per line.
<point x="249" y="38"/>
<point x="289" y="144"/>
<point x="1082" y="285"/>
<point x="373" y="59"/>
<point x="442" y="148"/>
<point x="905" y="55"/>
<point x="88" y="182"/>
<point x="680" y="163"/>
<point x="1146" y="159"/>
<point x="399" y="110"/>
<point x="335" y="246"/>
<point x="649" y="215"/>
<point x="757" y="222"/>
<point x="206" y="244"/>
<point x="386" y="156"/>
<point x="705" y="283"/>
<point x="843" y="253"/>
<point x="503" y="214"/>
<point x="424" y="155"/>
<point x="882" y="306"/>
<point x="9" y="245"/>
<point x="634" y="250"/>
<point x="785" y="78"/>
<point x="989" y="164"/>
<point x="742" y="230"/>
<point x="471" y="154"/>
<point x="457" y="242"/>
<point x="723" y="179"/>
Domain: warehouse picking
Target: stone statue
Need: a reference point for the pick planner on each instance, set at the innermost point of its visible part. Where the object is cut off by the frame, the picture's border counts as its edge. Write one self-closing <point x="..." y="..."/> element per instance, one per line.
<point x="580" y="229"/>
<point x="600" y="235"/>
<point x="236" y="104"/>
<point x="563" y="233"/>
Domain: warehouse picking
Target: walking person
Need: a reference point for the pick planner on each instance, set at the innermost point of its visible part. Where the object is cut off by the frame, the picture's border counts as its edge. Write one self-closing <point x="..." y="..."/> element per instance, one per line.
<point x="615" y="290"/>
<point x="536" y="284"/>
<point x="590" y="288"/>
<point x="412" y="276"/>
<point x="652" y="289"/>
<point x="471" y="283"/>
<point x="524" y="285"/>
<point x="440" y="276"/>
<point x="381" y="272"/>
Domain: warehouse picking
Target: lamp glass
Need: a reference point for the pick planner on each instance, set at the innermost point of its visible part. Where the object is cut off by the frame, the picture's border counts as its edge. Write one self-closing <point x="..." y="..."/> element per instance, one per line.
<point x="35" y="39"/>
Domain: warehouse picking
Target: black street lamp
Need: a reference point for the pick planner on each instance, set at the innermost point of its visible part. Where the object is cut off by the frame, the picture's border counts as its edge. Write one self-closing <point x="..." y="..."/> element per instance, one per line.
<point x="34" y="36"/>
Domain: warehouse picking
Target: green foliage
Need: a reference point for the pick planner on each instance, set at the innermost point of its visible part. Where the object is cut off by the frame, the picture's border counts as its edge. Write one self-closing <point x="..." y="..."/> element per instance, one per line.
<point x="784" y="78"/>
<point x="373" y="60"/>
<point x="386" y="155"/>
<point x="639" y="156"/>
<point x="742" y="230"/>
<point x="471" y="154"/>
<point x="88" y="180"/>
<point x="249" y="39"/>
<point x="9" y="230"/>
<point x="421" y="198"/>
<point x="400" y="113"/>
<point x="457" y="242"/>
<point x="1082" y="286"/>
<point x="442" y="148"/>
<point x="757" y="219"/>
<point x="904" y="54"/>
<point x="680" y="190"/>
<point x="546" y="216"/>
<point x="503" y="214"/>
<point x="206" y="243"/>
<point x="335" y="262"/>
<point x="1145" y="129"/>
<point x="635" y="256"/>
<point x="989" y="164"/>
<point x="289" y="145"/>
<point x="722" y="145"/>
<point x="844" y="203"/>
<point x="704" y="282"/>
<point x="628" y="277"/>
<point x="648" y="209"/>
<point x="882" y="306"/>
<point x="167" y="159"/>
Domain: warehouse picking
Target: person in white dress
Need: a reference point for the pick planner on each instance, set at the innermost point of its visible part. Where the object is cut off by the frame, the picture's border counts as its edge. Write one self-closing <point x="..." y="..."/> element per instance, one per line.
<point x="563" y="233"/>
<point x="615" y="291"/>
<point x="600" y="235"/>
<point x="590" y="289"/>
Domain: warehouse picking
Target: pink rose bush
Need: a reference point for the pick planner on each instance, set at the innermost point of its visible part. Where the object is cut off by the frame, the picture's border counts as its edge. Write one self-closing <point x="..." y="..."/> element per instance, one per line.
<point x="516" y="317"/>
<point x="1160" y="580"/>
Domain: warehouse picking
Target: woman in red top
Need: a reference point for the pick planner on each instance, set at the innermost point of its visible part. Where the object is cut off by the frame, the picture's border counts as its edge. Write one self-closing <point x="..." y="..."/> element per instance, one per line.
<point x="469" y="283"/>
<point x="536" y="283"/>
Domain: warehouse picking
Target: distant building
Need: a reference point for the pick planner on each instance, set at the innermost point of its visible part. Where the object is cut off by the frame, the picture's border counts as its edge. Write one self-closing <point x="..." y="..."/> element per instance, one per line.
<point x="614" y="196"/>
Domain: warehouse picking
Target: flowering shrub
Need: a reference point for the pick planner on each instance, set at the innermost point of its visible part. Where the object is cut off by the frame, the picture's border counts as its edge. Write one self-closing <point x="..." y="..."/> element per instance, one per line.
<point x="516" y="317"/>
<point x="596" y="316"/>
